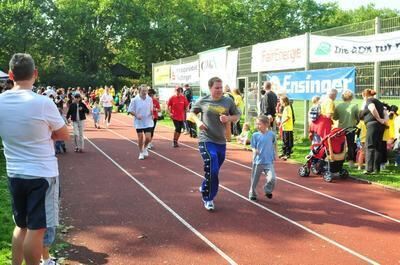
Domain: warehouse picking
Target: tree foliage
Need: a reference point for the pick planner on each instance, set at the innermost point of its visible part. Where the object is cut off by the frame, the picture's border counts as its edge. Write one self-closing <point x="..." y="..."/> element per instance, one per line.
<point x="76" y="42"/>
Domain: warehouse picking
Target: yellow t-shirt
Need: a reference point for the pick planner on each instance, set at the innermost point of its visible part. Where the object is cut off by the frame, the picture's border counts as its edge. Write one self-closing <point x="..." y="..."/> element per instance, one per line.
<point x="389" y="131"/>
<point x="112" y="92"/>
<point x="397" y="128"/>
<point x="327" y="106"/>
<point x="363" y="131"/>
<point x="287" y="116"/>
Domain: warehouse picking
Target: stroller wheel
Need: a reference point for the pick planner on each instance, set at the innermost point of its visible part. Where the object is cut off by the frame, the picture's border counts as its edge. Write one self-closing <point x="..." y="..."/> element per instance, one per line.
<point x="344" y="174"/>
<point x="304" y="171"/>
<point x="327" y="176"/>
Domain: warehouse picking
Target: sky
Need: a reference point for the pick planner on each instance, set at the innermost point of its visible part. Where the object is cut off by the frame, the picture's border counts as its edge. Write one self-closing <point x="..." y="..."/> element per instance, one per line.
<point x="351" y="4"/>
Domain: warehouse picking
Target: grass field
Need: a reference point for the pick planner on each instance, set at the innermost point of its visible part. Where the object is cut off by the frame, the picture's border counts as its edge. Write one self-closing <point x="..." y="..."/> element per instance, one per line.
<point x="7" y="224"/>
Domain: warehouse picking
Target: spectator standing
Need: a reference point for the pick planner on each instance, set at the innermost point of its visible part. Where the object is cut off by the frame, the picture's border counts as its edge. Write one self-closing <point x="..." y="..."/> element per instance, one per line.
<point x="188" y="93"/>
<point x="327" y="111"/>
<point x="287" y="128"/>
<point x="373" y="115"/>
<point x="269" y="101"/>
<point x="347" y="114"/>
<point x="32" y="167"/>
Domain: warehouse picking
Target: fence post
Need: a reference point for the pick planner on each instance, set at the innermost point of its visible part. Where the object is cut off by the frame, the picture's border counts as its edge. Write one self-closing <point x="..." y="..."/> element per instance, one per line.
<point x="377" y="65"/>
<point x="306" y="102"/>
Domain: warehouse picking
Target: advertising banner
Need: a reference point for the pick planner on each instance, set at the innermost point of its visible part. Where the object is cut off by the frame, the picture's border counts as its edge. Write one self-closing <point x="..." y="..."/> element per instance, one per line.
<point x="187" y="73"/>
<point x="289" y="53"/>
<point x="231" y="69"/>
<point x="372" y="48"/>
<point x="165" y="93"/>
<point x="212" y="63"/>
<point x="306" y="84"/>
<point x="161" y="74"/>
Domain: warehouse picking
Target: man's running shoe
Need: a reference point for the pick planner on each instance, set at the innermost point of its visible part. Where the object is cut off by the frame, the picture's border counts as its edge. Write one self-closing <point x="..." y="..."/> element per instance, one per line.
<point x="145" y="152"/>
<point x="209" y="205"/>
<point x="141" y="156"/>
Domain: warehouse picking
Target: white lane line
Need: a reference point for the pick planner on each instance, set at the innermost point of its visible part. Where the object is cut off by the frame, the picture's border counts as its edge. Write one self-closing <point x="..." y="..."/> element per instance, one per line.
<point x="177" y="216"/>
<point x="352" y="252"/>
<point x="296" y="184"/>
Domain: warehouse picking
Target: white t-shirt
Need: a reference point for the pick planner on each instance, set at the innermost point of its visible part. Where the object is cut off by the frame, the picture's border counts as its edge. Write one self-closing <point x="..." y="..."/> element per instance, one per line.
<point x="106" y="100"/>
<point x="144" y="108"/>
<point x="26" y="124"/>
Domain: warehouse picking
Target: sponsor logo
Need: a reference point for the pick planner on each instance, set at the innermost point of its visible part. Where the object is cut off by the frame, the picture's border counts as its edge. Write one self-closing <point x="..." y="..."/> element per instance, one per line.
<point x="324" y="48"/>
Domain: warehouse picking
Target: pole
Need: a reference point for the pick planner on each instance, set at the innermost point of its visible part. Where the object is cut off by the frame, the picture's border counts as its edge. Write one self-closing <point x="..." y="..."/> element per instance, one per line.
<point x="377" y="72"/>
<point x="306" y="102"/>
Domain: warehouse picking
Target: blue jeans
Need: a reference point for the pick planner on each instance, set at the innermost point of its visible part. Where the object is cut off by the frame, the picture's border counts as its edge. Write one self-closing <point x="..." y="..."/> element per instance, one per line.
<point x="213" y="156"/>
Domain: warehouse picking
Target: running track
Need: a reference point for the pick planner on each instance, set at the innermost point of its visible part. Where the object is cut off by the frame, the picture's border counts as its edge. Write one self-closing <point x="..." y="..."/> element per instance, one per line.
<point x="126" y="211"/>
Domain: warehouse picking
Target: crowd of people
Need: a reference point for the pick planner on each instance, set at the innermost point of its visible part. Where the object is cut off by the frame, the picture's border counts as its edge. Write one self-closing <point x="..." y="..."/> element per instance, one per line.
<point x="30" y="147"/>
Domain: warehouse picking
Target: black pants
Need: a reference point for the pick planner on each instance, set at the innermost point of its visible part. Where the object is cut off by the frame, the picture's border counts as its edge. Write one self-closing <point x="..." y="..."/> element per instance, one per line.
<point x="179" y="125"/>
<point x="351" y="146"/>
<point x="287" y="138"/>
<point x="384" y="152"/>
<point x="154" y="127"/>
<point x="192" y="129"/>
<point x="107" y="113"/>
<point x="373" y="143"/>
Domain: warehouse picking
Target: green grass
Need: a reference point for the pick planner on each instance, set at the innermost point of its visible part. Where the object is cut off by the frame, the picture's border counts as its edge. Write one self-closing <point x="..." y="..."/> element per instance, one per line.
<point x="7" y="224"/>
<point x="389" y="177"/>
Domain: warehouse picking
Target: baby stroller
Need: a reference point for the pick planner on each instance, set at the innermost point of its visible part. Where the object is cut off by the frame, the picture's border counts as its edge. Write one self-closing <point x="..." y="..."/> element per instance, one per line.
<point x="327" y="157"/>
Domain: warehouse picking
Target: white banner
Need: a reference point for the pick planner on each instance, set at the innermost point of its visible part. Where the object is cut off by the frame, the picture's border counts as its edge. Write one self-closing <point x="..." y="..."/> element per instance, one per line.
<point x="289" y="53"/>
<point x="212" y="63"/>
<point x="231" y="69"/>
<point x="380" y="47"/>
<point x="187" y="73"/>
<point x="165" y="93"/>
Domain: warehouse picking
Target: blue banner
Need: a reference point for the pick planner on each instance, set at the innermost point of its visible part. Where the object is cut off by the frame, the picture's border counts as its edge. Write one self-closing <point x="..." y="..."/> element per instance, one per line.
<point x="306" y="84"/>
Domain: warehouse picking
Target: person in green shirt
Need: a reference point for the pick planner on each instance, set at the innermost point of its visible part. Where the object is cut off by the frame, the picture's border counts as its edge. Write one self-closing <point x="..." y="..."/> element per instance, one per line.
<point x="347" y="115"/>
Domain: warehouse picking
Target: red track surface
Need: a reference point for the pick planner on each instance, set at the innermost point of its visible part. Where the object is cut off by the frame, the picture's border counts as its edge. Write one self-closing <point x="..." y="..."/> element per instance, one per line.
<point x="117" y="222"/>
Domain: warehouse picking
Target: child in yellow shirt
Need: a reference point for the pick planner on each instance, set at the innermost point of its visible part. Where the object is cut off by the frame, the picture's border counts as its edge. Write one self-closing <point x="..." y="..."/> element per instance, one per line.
<point x="361" y="144"/>
<point x="287" y="128"/>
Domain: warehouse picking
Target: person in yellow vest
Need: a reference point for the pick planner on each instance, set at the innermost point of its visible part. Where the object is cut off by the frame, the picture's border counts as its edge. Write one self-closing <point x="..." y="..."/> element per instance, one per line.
<point x="362" y="136"/>
<point x="327" y="111"/>
<point x="388" y="134"/>
<point x="287" y="128"/>
<point x="238" y="99"/>
<point x="396" y="147"/>
<point x="112" y="91"/>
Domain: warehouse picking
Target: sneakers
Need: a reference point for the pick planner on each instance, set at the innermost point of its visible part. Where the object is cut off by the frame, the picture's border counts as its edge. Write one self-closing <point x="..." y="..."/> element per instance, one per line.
<point x="268" y="195"/>
<point x="145" y="152"/>
<point x="150" y="145"/>
<point x="49" y="262"/>
<point x="141" y="156"/>
<point x="209" y="205"/>
<point x="252" y="198"/>
<point x="175" y="144"/>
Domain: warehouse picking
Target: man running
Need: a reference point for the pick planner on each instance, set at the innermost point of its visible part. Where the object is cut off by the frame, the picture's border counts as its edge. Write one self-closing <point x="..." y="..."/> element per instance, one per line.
<point x="216" y="110"/>
<point x="141" y="107"/>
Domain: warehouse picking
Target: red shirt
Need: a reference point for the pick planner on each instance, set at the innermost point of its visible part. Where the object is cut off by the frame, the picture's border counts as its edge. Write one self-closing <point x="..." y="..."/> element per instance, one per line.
<point x="156" y="108"/>
<point x="178" y="105"/>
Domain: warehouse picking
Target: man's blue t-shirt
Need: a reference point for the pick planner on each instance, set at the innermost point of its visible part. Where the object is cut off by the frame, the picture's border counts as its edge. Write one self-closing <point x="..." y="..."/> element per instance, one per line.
<point x="265" y="144"/>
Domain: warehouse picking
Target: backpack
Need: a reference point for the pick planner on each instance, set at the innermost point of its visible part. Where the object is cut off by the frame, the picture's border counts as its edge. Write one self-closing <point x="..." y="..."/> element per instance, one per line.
<point x="314" y="113"/>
